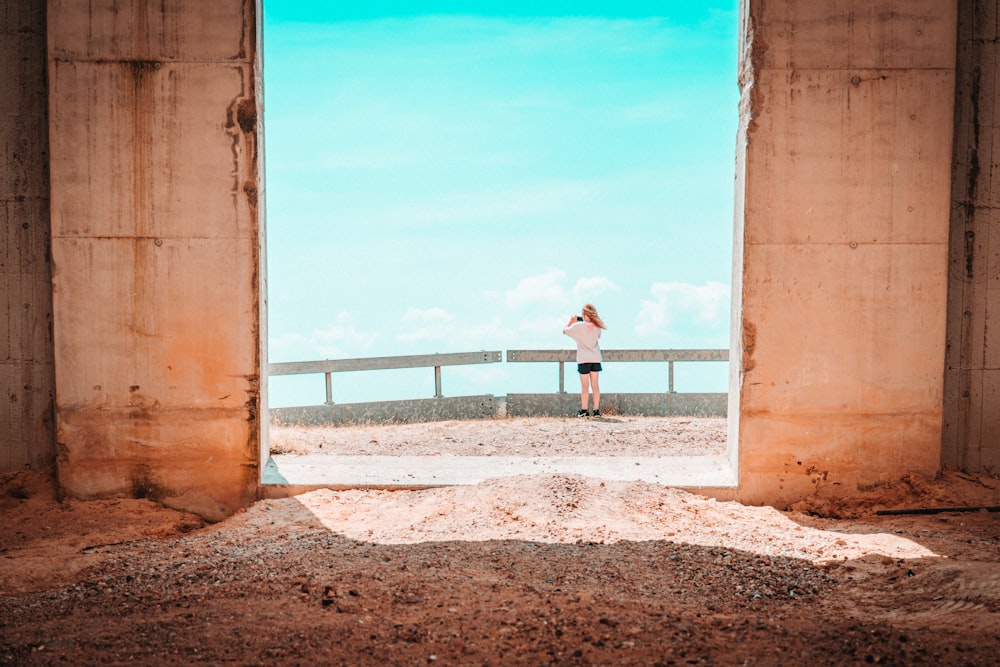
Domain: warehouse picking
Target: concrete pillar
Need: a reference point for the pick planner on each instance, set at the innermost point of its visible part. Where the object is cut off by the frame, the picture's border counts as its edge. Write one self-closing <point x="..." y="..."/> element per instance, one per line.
<point x="156" y="234"/>
<point x="843" y="201"/>
<point x="27" y="384"/>
<point x="971" y="438"/>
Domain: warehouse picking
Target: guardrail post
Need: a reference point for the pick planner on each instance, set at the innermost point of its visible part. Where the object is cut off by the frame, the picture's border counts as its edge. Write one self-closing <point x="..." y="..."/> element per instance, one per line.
<point x="671" y="376"/>
<point x="329" y="389"/>
<point x="437" y="382"/>
<point x="562" y="377"/>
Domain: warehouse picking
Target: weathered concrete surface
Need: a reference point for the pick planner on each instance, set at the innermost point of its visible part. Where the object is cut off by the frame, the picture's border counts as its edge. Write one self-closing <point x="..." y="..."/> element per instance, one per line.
<point x="651" y="404"/>
<point x="486" y="406"/>
<point x="27" y="379"/>
<point x="843" y="199"/>
<point x="408" y="411"/>
<point x="971" y="439"/>
<point x="156" y="235"/>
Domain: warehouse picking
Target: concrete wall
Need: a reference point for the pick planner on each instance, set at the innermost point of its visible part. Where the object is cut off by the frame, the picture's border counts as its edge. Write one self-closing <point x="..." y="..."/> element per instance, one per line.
<point x="971" y="439"/>
<point x="842" y="253"/>
<point x="27" y="384"/>
<point x="156" y="234"/>
<point x="843" y="199"/>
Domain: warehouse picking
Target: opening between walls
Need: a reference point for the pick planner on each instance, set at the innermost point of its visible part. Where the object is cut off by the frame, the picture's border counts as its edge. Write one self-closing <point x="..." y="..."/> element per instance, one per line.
<point x="390" y="117"/>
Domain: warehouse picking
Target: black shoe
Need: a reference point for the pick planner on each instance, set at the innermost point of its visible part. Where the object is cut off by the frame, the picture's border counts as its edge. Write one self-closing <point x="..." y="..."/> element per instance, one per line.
<point x="582" y="413"/>
<point x="597" y="413"/>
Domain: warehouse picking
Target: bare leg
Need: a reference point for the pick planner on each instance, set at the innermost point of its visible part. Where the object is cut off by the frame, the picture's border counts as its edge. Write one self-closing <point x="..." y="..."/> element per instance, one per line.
<point x="584" y="390"/>
<point x="597" y="389"/>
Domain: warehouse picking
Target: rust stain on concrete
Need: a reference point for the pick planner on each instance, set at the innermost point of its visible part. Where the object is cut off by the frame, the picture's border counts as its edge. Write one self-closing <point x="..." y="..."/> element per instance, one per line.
<point x="246" y="115"/>
<point x="755" y="48"/>
<point x="242" y="123"/>
<point x="749" y="345"/>
<point x="145" y="484"/>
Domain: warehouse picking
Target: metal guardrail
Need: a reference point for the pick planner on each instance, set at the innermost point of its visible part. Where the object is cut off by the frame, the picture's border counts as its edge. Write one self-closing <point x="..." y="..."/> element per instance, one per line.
<point x="330" y="366"/>
<point x="474" y="407"/>
<point x="669" y="356"/>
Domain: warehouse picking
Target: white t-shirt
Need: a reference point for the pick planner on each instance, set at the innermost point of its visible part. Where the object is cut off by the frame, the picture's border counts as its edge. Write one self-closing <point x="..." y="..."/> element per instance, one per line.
<point x="586" y="336"/>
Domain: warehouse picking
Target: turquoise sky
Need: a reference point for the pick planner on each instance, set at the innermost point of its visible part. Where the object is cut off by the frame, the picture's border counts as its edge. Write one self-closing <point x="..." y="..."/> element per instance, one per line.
<point x="445" y="177"/>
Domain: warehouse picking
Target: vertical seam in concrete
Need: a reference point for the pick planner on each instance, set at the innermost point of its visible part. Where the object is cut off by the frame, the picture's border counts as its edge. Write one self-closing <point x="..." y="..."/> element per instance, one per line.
<point x="970" y="221"/>
<point x="27" y="433"/>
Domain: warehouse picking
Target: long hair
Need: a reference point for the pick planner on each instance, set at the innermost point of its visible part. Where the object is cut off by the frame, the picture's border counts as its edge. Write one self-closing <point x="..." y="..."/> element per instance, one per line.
<point x="591" y="314"/>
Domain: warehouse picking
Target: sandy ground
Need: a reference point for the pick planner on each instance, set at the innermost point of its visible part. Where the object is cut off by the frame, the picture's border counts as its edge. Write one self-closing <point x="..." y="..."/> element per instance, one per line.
<point x="608" y="436"/>
<point x="538" y="570"/>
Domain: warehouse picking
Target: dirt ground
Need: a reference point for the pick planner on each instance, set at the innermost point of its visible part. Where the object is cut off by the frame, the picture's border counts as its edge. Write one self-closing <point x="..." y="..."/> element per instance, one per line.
<point x="548" y="436"/>
<point x="539" y="570"/>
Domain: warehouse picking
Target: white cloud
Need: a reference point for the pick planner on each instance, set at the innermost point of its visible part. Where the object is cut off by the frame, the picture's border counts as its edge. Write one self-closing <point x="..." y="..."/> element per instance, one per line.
<point x="588" y="288"/>
<point x="447" y="334"/>
<point x="540" y="331"/>
<point x="338" y="341"/>
<point x="285" y="342"/>
<point x="544" y="288"/>
<point x="702" y="307"/>
<point x="500" y="332"/>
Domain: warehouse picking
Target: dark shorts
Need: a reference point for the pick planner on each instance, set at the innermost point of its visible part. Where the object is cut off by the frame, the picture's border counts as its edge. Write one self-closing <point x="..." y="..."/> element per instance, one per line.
<point x="586" y="369"/>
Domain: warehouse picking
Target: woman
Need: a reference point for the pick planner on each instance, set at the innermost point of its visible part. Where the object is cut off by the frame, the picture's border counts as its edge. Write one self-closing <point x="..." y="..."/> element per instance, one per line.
<point x="585" y="329"/>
